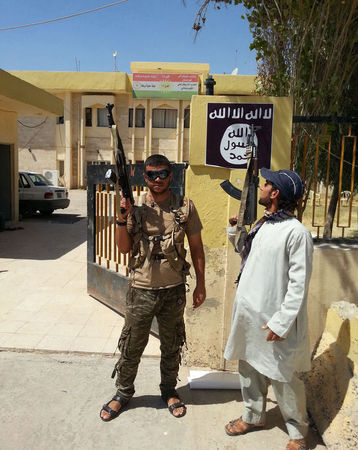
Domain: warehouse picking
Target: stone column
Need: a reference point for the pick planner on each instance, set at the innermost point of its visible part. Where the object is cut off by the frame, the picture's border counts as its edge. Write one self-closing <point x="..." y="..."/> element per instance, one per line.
<point x="68" y="140"/>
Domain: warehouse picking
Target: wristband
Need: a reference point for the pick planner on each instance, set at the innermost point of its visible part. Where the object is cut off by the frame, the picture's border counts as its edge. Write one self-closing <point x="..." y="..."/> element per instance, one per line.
<point x="121" y="224"/>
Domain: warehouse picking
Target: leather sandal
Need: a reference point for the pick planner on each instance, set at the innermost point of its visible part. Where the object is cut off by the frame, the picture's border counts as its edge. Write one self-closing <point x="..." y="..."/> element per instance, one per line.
<point x="176" y="405"/>
<point x="112" y="413"/>
<point x="238" y="427"/>
<point x="297" y="444"/>
<point x="172" y="407"/>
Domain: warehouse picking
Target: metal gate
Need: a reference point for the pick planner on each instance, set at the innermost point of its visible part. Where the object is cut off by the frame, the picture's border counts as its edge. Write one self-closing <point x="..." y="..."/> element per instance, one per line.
<point x="324" y="150"/>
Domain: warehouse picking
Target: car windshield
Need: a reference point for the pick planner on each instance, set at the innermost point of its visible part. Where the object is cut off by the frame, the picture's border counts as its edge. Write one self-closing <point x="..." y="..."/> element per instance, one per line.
<point x="39" y="180"/>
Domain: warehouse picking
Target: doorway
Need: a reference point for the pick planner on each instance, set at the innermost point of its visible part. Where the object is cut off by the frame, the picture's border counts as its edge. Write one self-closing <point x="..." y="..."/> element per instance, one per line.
<point x="5" y="182"/>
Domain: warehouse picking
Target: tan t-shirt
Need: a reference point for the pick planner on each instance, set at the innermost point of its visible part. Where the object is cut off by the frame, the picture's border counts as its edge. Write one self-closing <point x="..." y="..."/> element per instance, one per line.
<point x="160" y="274"/>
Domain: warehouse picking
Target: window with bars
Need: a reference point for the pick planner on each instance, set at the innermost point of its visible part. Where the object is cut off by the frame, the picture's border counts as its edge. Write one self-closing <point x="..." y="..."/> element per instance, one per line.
<point x="88" y="117"/>
<point x="187" y="118"/>
<point x="61" y="168"/>
<point x="139" y="118"/>
<point x="164" y="118"/>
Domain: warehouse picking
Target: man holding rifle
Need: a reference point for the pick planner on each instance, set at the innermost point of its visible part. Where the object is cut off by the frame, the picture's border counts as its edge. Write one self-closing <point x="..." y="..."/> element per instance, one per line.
<point x="269" y="332"/>
<point x="154" y="234"/>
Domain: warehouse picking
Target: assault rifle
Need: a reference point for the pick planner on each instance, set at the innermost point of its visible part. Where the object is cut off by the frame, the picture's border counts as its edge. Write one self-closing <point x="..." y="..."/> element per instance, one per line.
<point x="118" y="177"/>
<point x="248" y="207"/>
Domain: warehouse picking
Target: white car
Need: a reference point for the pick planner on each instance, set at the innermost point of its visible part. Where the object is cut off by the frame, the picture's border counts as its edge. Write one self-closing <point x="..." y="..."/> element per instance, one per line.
<point x="37" y="193"/>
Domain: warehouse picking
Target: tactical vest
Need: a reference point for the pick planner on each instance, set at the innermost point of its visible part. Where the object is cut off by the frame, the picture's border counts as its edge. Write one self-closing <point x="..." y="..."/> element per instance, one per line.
<point x="171" y="242"/>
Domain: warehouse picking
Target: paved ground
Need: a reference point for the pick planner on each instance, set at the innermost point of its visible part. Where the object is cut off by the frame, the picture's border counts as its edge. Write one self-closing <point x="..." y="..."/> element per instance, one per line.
<point x="44" y="304"/>
<point x="56" y="346"/>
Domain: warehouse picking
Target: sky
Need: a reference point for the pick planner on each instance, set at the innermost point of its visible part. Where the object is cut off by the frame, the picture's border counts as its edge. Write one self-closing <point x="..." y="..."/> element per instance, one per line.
<point x="138" y="30"/>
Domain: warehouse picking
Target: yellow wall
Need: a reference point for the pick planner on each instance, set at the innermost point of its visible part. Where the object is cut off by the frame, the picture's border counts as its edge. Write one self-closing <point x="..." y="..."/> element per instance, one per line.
<point x="211" y="177"/>
<point x="8" y="127"/>
<point x="231" y="84"/>
<point x="120" y="82"/>
<point x="334" y="269"/>
<point x="208" y="326"/>
<point x="8" y="136"/>
<point x="77" y="144"/>
<point x="165" y="67"/>
<point x="331" y="385"/>
<point x="76" y="81"/>
<point x="334" y="278"/>
<point x="21" y="96"/>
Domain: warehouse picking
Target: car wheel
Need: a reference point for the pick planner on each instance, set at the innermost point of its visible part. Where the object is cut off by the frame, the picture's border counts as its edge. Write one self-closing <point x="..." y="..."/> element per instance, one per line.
<point x="47" y="212"/>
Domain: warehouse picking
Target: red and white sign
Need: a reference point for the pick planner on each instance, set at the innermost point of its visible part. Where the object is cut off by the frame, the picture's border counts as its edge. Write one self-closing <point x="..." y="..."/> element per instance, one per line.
<point x="164" y="85"/>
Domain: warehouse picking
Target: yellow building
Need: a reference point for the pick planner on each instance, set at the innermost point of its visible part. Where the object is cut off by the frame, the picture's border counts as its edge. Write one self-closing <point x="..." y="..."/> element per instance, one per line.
<point x="163" y="108"/>
<point x="150" y="120"/>
<point x="17" y="97"/>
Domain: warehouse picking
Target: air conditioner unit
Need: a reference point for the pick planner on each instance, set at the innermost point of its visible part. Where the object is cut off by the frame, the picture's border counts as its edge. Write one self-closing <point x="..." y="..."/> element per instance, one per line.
<point x="51" y="175"/>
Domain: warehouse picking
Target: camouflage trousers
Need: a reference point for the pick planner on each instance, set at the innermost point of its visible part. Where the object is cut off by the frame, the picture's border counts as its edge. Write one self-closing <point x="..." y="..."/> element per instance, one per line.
<point x="167" y="305"/>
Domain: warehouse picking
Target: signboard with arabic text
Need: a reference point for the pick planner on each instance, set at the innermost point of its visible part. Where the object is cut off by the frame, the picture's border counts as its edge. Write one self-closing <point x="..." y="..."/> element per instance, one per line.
<point x="164" y="85"/>
<point x="229" y="130"/>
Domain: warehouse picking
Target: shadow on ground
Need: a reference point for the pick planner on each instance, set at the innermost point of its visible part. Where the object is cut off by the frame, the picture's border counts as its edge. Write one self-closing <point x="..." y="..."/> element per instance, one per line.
<point x="64" y="218"/>
<point x="43" y="237"/>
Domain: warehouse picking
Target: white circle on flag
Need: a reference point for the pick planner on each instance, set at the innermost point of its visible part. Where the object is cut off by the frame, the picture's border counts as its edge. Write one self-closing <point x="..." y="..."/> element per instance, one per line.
<point x="234" y="142"/>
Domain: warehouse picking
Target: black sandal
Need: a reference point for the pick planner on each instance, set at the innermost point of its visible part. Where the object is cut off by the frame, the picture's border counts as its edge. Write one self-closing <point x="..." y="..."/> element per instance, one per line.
<point x="112" y="413"/>
<point x="174" y="406"/>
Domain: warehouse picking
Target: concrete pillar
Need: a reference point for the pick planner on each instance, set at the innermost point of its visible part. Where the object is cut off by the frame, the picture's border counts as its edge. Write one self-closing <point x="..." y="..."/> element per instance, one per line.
<point x="83" y="156"/>
<point x="68" y="140"/>
<point x="148" y="131"/>
<point x="134" y="106"/>
<point x="180" y="131"/>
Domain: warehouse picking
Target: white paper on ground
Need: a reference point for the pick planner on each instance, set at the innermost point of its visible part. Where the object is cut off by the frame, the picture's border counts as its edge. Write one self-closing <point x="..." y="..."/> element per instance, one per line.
<point x="214" y="379"/>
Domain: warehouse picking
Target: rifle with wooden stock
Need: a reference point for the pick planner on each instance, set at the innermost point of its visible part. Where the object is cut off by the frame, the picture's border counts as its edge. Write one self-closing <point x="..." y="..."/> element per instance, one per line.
<point x="248" y="206"/>
<point x="119" y="177"/>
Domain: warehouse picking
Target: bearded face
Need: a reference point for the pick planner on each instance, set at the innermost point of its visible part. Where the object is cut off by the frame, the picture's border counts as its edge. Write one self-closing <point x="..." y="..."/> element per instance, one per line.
<point x="265" y="194"/>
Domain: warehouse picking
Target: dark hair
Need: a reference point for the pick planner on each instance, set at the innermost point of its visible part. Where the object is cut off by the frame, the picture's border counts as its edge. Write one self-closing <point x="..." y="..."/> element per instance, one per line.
<point x="157" y="160"/>
<point x="289" y="205"/>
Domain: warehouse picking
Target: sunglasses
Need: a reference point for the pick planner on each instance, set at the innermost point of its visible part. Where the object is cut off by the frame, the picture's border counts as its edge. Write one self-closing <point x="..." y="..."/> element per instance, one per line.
<point x="154" y="174"/>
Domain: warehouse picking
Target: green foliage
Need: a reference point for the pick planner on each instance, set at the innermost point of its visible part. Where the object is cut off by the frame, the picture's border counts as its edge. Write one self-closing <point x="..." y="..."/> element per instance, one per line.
<point x="307" y="49"/>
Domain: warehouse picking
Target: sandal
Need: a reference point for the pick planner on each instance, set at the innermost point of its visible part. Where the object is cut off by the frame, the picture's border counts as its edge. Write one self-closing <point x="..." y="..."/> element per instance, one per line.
<point x="112" y="413"/>
<point x="297" y="444"/>
<point x="238" y="427"/>
<point x="175" y="405"/>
